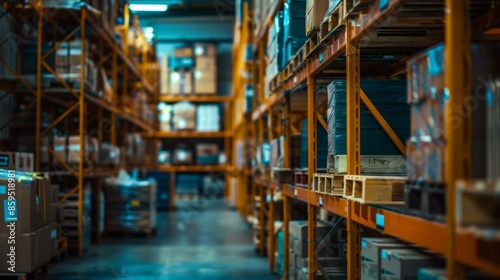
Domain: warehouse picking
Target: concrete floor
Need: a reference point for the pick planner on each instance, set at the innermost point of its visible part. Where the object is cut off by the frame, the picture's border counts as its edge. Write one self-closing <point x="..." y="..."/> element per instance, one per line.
<point x="207" y="241"/>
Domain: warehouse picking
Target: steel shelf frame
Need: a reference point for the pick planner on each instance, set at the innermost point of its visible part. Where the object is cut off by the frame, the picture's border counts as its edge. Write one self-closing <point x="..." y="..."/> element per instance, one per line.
<point x="459" y="247"/>
<point x="85" y="24"/>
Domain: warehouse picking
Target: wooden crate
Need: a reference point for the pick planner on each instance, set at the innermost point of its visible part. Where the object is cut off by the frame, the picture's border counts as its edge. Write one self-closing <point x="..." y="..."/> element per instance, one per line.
<point x="332" y="24"/>
<point x="375" y="189"/>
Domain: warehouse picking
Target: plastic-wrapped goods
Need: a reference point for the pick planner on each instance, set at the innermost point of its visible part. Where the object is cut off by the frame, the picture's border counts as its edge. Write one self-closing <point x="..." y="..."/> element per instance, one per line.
<point x="208" y="118"/>
<point x="130" y="205"/>
<point x="389" y="98"/>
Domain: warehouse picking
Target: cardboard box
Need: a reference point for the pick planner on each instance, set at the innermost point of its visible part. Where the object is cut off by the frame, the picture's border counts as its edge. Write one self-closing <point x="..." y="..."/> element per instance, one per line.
<point x="206" y="63"/>
<point x="71" y="152"/>
<point x="184" y="116"/>
<point x="54" y="235"/>
<point x="26" y="257"/>
<point x="208" y="117"/>
<point x="315" y="12"/>
<point x="299" y="237"/>
<point x="17" y="161"/>
<point x="29" y="211"/>
<point x="43" y="251"/>
<point x="180" y="82"/>
<point x="370" y="255"/>
<point x="405" y="263"/>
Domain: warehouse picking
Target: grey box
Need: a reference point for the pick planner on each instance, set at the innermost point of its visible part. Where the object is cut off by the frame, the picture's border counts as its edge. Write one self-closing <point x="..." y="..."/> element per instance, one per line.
<point x="54" y="235"/>
<point x="43" y="246"/>
<point x="370" y="255"/>
<point x="405" y="263"/>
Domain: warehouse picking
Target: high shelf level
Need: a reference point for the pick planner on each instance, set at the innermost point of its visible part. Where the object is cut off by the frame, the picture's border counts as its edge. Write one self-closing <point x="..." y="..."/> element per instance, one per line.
<point x="374" y="39"/>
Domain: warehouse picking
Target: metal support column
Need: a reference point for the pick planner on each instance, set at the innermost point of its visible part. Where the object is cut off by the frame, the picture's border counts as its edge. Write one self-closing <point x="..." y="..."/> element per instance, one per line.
<point x="458" y="136"/>
<point x="82" y="134"/>
<point x="311" y="168"/>
<point x="39" y="86"/>
<point x="286" y="200"/>
<point x="353" y="148"/>
<point x="272" y="237"/>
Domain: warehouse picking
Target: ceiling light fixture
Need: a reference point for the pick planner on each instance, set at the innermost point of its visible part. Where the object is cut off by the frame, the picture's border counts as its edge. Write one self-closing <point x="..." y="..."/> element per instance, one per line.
<point x="148" y="7"/>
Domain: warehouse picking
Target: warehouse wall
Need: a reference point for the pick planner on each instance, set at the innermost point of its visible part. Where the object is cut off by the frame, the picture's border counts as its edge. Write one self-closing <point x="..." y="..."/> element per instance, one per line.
<point x="8" y="55"/>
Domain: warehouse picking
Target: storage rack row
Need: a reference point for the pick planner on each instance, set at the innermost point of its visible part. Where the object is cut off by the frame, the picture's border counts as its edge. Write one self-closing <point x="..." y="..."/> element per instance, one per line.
<point x="344" y="55"/>
<point x="76" y="108"/>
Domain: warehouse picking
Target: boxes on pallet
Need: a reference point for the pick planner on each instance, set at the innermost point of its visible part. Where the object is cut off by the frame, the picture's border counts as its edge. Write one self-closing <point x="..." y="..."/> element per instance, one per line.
<point x="207" y="154"/>
<point x="130" y="205"/>
<point x="315" y="11"/>
<point x="208" y="117"/>
<point x="405" y="263"/>
<point x="184" y="116"/>
<point x="371" y="249"/>
<point x="69" y="149"/>
<point x="68" y="65"/>
<point x="54" y="236"/>
<point x="32" y="250"/>
<point x="18" y="161"/>
<point x="180" y="82"/>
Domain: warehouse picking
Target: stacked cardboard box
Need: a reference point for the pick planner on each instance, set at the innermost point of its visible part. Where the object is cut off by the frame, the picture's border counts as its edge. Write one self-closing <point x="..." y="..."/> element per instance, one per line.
<point x="180" y="82"/>
<point x="294" y="36"/>
<point x="184" y="116"/>
<point x="130" y="205"/>
<point x="165" y="117"/>
<point x="208" y="117"/>
<point x="388" y="96"/>
<point x="68" y="149"/>
<point x="205" y="72"/>
<point x="275" y="48"/>
<point x="68" y="65"/>
<point x="28" y="221"/>
<point x="18" y="161"/>
<point x="332" y="257"/>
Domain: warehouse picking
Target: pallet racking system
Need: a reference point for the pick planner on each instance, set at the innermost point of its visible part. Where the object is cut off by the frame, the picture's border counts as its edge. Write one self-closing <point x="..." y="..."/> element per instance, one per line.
<point x="296" y="97"/>
<point x="58" y="25"/>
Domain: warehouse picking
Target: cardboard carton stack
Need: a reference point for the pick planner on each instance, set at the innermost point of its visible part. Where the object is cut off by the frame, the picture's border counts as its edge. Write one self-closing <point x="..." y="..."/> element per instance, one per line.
<point x="205" y="72"/>
<point x="28" y="221"/>
<point x="294" y="36"/>
<point x="180" y="71"/>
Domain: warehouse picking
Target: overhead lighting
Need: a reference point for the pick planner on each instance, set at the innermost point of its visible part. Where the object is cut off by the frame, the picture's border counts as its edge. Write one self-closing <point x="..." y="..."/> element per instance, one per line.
<point x="148" y="7"/>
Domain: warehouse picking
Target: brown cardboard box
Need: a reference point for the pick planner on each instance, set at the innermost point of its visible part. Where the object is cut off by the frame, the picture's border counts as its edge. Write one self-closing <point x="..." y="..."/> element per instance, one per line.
<point x="153" y="147"/>
<point x="315" y="11"/>
<point x="73" y="156"/>
<point x="24" y="256"/>
<point x="180" y="82"/>
<point x="43" y="251"/>
<point x="20" y="162"/>
<point x="184" y="116"/>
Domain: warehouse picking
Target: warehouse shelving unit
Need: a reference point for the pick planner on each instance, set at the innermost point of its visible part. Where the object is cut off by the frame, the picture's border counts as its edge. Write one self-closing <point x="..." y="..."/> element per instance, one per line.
<point x="353" y="44"/>
<point x="61" y="25"/>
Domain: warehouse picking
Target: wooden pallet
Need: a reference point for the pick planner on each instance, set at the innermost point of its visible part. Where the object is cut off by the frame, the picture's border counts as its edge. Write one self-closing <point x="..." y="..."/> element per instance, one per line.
<point x="329" y="184"/>
<point x="332" y="24"/>
<point x="427" y="200"/>
<point x="312" y="43"/>
<point x="275" y="82"/>
<point x="478" y="205"/>
<point x="375" y="189"/>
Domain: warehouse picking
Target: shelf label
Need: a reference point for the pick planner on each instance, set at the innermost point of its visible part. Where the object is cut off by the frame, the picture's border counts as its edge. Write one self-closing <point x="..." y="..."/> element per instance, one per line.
<point x="320" y="201"/>
<point x="380" y="221"/>
<point x="295" y="193"/>
<point x="321" y="58"/>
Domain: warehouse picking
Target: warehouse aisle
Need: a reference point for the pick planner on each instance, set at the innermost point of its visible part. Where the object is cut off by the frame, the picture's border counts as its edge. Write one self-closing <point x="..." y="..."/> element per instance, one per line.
<point x="205" y="241"/>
